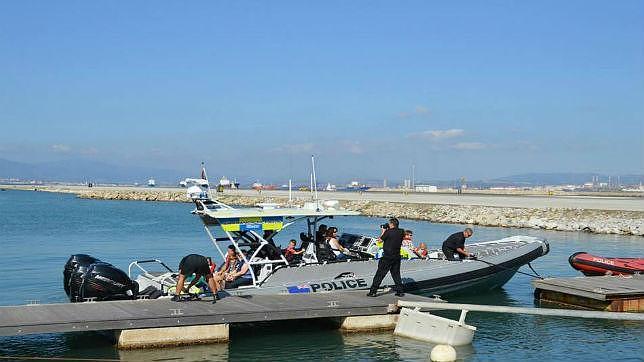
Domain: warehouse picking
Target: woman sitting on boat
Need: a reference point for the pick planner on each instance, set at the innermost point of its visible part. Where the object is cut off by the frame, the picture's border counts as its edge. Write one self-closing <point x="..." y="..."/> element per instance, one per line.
<point x="408" y="241"/>
<point x="340" y="252"/>
<point x="407" y="247"/>
<point x="241" y="275"/>
<point x="229" y="264"/>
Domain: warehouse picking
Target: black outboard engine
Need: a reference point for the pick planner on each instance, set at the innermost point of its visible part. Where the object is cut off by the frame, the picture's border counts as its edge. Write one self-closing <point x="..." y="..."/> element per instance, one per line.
<point x="104" y="281"/>
<point x="72" y="266"/>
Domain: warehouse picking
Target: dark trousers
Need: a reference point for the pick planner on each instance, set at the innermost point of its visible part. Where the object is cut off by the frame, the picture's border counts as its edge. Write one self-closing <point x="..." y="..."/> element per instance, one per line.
<point x="388" y="264"/>
<point x="449" y="253"/>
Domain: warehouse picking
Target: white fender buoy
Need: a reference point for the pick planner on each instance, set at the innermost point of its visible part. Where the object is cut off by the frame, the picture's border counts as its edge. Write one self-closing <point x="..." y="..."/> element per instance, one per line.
<point x="443" y="353"/>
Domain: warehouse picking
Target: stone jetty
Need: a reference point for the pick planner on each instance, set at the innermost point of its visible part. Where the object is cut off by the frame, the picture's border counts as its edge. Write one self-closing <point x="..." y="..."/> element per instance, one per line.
<point x="562" y="219"/>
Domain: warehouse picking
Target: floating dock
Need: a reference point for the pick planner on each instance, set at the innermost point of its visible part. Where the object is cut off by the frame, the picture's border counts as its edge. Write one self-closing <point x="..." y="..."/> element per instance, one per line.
<point x="160" y="322"/>
<point x="618" y="293"/>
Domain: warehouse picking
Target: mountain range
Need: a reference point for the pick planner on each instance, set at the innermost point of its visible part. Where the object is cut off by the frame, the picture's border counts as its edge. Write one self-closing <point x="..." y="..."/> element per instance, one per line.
<point x="84" y="170"/>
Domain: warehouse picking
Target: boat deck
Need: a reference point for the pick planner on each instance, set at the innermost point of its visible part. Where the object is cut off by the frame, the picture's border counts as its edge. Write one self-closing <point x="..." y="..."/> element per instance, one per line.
<point x="136" y="314"/>
<point x="614" y="293"/>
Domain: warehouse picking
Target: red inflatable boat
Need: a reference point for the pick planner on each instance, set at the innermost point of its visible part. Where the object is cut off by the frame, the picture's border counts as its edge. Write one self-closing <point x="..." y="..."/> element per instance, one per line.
<point x="596" y="265"/>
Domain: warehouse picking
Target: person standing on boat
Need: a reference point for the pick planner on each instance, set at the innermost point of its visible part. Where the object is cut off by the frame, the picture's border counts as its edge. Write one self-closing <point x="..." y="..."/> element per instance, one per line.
<point x="391" y="238"/>
<point x="200" y="266"/>
<point x="455" y="244"/>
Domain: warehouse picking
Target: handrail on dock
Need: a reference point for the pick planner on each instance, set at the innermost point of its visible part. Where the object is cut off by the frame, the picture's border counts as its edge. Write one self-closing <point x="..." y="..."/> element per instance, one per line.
<point x="572" y="313"/>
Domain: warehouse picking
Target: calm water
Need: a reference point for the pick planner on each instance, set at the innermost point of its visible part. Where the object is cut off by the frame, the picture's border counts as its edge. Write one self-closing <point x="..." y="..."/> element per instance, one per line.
<point x="38" y="232"/>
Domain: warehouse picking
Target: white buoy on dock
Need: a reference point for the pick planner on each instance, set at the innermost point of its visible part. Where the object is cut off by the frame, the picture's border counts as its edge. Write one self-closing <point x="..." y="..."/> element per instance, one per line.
<point x="413" y="323"/>
<point x="443" y="353"/>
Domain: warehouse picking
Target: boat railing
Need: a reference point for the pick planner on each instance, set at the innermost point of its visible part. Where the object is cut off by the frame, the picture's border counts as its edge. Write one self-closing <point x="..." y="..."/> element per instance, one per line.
<point x="137" y="263"/>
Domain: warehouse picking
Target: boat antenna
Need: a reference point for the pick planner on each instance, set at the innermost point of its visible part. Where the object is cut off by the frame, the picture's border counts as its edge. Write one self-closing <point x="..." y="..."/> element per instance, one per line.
<point x="315" y="187"/>
<point x="290" y="191"/>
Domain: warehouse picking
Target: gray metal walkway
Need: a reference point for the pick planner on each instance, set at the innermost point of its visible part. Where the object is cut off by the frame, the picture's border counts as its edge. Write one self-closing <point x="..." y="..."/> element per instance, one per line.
<point x="121" y="315"/>
<point x="610" y="293"/>
<point x="600" y="288"/>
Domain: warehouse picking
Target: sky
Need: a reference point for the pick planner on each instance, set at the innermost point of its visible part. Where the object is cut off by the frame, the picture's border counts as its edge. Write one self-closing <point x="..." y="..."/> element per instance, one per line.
<point x="479" y="89"/>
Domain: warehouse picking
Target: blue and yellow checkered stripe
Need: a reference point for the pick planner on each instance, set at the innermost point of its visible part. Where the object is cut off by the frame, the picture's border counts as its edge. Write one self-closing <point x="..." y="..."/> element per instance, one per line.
<point x="252" y="223"/>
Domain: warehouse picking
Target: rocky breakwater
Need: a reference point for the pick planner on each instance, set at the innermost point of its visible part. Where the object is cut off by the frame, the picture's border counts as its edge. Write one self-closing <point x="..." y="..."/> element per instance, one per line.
<point x="594" y="221"/>
<point x="137" y="195"/>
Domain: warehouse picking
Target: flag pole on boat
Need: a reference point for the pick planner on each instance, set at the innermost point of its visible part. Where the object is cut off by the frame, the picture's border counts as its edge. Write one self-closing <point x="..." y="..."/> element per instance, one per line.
<point x="203" y="171"/>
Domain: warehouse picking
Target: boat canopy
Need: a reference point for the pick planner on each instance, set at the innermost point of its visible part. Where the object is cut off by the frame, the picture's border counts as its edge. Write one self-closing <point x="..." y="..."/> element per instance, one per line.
<point x="263" y="218"/>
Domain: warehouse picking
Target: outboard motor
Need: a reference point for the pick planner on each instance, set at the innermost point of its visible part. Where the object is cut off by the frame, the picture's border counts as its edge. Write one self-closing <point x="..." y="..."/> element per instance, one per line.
<point x="73" y="264"/>
<point x="104" y="281"/>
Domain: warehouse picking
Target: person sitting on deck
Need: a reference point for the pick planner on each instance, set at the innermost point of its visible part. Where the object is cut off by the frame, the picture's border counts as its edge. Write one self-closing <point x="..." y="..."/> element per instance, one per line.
<point x="407" y="246"/>
<point x="241" y="275"/>
<point x="408" y="241"/>
<point x="229" y="264"/>
<point x="200" y="266"/>
<point x="421" y="250"/>
<point x="290" y="252"/>
<point x="340" y="252"/>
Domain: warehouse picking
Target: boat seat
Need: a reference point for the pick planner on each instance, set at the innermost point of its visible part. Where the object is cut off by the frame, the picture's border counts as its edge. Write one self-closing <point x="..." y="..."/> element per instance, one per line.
<point x="324" y="252"/>
<point x="305" y="240"/>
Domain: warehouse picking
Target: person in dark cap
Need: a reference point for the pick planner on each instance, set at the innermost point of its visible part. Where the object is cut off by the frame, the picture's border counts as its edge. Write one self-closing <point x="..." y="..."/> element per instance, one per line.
<point x="392" y="238"/>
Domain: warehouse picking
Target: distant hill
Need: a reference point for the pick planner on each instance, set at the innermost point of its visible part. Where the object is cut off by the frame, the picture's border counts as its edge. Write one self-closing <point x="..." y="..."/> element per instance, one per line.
<point x="540" y="179"/>
<point x="80" y="170"/>
<point x="561" y="178"/>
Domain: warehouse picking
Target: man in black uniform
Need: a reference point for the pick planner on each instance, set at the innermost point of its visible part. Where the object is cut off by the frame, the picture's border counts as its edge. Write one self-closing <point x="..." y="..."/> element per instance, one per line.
<point x="200" y="266"/>
<point x="455" y="243"/>
<point x="392" y="238"/>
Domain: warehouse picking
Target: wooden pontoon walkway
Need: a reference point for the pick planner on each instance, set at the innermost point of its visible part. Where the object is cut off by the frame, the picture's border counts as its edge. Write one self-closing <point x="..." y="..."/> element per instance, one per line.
<point x="612" y="293"/>
<point x="124" y="315"/>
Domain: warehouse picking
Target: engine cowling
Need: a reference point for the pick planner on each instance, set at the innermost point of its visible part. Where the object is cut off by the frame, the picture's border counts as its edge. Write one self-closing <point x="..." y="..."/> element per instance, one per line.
<point x="72" y="266"/>
<point x="104" y="281"/>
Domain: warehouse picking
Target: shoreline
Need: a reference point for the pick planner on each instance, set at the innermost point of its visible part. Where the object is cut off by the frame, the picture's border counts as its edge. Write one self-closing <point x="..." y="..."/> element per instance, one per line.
<point x="495" y="214"/>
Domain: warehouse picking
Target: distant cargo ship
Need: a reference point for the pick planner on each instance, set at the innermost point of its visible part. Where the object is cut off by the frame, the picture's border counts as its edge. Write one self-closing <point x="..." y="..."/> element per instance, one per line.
<point x="259" y="186"/>
<point x="151" y="183"/>
<point x="356" y="186"/>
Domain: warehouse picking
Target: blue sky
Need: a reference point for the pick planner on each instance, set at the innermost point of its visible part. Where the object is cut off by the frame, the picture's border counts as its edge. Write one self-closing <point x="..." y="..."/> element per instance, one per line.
<point x="459" y="88"/>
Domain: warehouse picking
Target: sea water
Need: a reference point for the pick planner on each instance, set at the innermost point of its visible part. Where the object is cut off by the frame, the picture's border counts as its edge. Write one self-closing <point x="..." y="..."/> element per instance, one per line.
<point x="39" y="230"/>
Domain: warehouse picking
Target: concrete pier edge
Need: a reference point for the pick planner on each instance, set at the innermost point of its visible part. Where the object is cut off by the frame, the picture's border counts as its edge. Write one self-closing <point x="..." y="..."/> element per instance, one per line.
<point x="367" y="323"/>
<point x="219" y="333"/>
<point x="171" y="336"/>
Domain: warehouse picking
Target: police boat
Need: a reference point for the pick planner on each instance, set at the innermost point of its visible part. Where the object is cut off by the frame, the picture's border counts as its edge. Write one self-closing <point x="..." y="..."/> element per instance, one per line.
<point x="253" y="229"/>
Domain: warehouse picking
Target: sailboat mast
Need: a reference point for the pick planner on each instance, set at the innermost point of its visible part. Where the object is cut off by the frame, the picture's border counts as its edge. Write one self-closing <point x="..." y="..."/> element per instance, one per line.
<point x="315" y="182"/>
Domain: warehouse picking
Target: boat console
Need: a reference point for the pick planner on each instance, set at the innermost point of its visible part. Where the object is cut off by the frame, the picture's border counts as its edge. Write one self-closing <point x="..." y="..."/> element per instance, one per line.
<point x="360" y="244"/>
